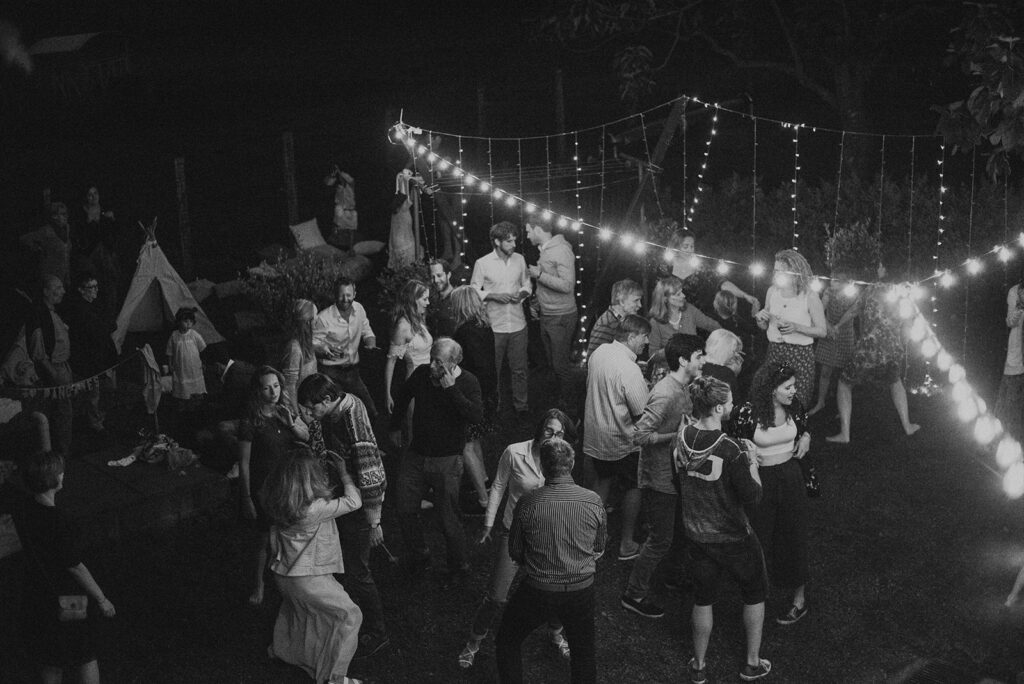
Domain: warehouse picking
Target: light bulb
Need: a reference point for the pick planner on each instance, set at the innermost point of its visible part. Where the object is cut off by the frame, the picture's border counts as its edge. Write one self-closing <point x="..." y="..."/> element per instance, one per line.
<point x="1008" y="452"/>
<point x="757" y="269"/>
<point x="722" y="268"/>
<point x="1013" y="480"/>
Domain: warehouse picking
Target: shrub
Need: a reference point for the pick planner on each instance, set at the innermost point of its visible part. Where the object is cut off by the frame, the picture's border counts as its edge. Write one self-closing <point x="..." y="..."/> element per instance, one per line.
<point x="305" y="277"/>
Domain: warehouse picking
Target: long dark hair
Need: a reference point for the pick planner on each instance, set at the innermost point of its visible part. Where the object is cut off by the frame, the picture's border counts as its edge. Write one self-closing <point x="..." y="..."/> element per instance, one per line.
<point x="254" y="404"/>
<point x="768" y="377"/>
<point x="568" y="427"/>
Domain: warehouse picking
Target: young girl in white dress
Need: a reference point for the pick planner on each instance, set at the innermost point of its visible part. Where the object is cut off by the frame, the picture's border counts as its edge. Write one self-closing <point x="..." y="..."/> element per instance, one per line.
<point x="183" y="349"/>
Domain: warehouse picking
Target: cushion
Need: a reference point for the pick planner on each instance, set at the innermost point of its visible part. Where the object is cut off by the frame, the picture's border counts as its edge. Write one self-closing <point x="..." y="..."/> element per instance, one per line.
<point x="307" y="234"/>
<point x="368" y="247"/>
<point x="326" y="251"/>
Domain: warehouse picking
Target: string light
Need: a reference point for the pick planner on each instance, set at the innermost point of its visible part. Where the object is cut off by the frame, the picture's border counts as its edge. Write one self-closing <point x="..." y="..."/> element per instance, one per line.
<point x="703" y="167"/>
<point x="939" y="229"/>
<point x="577" y="227"/>
<point x="484" y="187"/>
<point x="796" y="176"/>
<point x="945" y="278"/>
<point x="461" y="227"/>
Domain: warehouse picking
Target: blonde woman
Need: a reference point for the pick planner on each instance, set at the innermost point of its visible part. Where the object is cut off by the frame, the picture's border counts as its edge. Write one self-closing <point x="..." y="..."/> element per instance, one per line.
<point x="473" y="332"/>
<point x="671" y="314"/>
<point x="318" y="624"/>
<point x="410" y="339"/>
<point x="299" y="360"/>
<point x="793" y="318"/>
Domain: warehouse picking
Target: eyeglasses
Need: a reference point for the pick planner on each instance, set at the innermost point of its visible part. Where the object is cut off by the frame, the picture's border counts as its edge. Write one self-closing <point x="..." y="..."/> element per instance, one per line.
<point x="549" y="433"/>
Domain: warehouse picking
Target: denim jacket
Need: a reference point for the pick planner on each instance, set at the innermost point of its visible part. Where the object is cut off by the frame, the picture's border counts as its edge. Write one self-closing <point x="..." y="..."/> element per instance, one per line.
<point x="311" y="546"/>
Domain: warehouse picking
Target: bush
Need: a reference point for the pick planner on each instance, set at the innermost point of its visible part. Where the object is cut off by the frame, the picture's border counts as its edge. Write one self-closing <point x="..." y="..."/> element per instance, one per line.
<point x="391" y="281"/>
<point x="305" y="277"/>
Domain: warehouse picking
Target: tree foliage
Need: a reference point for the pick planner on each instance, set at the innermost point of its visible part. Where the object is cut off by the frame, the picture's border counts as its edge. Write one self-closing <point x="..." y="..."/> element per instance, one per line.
<point x="987" y="48"/>
<point x="832" y="49"/>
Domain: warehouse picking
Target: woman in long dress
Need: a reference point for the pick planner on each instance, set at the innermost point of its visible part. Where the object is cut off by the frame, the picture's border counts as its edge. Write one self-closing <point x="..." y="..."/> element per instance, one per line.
<point x="299" y="359"/>
<point x="265" y="434"/>
<point x="317" y="627"/>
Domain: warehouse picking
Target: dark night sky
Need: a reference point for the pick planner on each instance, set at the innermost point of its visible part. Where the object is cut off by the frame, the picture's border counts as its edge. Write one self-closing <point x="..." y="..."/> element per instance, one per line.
<point x="216" y="76"/>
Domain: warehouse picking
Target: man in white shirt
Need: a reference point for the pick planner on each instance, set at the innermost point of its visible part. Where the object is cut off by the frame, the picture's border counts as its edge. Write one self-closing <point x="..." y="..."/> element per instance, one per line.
<point x="555" y="274"/>
<point x="338" y="331"/>
<point x="502" y="282"/>
<point x="616" y="396"/>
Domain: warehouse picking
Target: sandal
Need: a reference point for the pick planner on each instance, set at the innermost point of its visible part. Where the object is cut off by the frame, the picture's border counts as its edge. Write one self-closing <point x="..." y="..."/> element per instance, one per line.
<point x="561" y="643"/>
<point x="468" y="654"/>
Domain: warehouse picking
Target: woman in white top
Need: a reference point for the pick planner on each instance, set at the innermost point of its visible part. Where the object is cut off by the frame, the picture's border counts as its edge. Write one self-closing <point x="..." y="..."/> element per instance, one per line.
<point x="775" y="421"/>
<point x="410" y="339"/>
<point x="793" y="317"/>
<point x="519" y="472"/>
<point x="318" y="624"/>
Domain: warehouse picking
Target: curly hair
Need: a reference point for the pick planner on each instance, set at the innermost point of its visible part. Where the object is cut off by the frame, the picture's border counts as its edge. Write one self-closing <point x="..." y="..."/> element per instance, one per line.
<point x="405" y="306"/>
<point x="766" y="380"/>
<point x="796" y="265"/>
<point x="706" y="393"/>
<point x="665" y="288"/>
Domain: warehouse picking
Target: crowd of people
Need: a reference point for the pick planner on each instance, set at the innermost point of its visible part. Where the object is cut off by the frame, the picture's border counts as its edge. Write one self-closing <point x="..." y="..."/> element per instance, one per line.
<point x="669" y="436"/>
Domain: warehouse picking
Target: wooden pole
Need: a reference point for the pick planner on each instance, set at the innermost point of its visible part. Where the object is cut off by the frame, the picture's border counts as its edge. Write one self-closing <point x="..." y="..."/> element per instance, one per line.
<point x="560" y="114"/>
<point x="184" y="224"/>
<point x="290" y="188"/>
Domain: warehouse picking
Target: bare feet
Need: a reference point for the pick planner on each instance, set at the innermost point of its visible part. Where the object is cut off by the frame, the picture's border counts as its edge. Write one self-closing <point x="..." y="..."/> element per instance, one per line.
<point x="814" y="410"/>
<point x="256" y="598"/>
<point x="914" y="427"/>
<point x="838" y="439"/>
<point x="1010" y="600"/>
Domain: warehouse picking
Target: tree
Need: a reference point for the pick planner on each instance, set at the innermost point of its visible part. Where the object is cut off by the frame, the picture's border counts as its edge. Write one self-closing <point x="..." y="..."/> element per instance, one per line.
<point x="833" y="49"/>
<point x="986" y="48"/>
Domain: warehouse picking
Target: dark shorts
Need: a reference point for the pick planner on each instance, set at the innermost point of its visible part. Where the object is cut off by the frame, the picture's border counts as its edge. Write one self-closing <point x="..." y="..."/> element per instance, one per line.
<point x="743" y="561"/>
<point x="624" y="469"/>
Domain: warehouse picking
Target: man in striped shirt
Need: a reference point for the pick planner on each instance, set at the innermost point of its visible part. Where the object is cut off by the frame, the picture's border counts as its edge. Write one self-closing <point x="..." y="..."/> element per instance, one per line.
<point x="558" y="532"/>
<point x="616" y="396"/>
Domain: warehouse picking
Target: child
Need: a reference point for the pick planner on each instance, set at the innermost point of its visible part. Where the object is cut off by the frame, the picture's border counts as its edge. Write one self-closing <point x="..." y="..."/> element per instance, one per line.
<point x="835" y="350"/>
<point x="183" y="350"/>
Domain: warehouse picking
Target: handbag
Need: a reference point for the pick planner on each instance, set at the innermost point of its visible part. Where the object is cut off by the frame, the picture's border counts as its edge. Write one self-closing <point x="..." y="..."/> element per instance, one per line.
<point x="72" y="607"/>
<point x="811" y="484"/>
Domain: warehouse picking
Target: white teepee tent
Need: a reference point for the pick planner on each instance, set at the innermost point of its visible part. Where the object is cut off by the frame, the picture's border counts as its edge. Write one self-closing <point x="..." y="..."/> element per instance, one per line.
<point x="156" y="293"/>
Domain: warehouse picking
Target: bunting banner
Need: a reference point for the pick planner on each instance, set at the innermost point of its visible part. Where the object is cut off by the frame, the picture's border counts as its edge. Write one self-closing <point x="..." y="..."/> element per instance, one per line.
<point x="65" y="391"/>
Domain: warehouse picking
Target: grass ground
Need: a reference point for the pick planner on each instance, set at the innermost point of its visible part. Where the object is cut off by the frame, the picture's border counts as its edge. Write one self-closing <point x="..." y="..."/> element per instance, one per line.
<point x="914" y="548"/>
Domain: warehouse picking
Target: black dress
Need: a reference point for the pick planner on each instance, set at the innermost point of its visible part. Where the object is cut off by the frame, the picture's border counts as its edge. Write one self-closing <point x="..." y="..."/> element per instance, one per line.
<point x="51" y="543"/>
<point x="477" y="342"/>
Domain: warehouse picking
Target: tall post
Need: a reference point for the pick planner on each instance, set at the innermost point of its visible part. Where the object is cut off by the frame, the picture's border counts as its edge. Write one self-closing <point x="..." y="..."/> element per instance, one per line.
<point x="481" y="110"/>
<point x="560" y="114"/>
<point x="184" y="224"/>
<point x="290" y="189"/>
